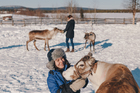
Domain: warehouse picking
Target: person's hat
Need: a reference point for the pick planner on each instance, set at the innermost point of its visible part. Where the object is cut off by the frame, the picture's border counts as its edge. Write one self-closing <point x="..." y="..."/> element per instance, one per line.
<point x="52" y="55"/>
<point x="57" y="53"/>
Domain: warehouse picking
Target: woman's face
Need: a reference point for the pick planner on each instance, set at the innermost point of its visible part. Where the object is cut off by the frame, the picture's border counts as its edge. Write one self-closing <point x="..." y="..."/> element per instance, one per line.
<point x="68" y="18"/>
<point x="59" y="62"/>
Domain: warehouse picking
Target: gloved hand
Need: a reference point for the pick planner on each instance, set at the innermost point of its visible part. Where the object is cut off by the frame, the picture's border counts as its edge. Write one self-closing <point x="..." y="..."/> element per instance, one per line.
<point x="62" y="31"/>
<point x="77" y="84"/>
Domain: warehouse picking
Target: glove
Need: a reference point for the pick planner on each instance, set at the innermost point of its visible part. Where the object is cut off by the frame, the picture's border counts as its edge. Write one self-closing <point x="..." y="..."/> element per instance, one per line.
<point x="63" y="31"/>
<point x="77" y="84"/>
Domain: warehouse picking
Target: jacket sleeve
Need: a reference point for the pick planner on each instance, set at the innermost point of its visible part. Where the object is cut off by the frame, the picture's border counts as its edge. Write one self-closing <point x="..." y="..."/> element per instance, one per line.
<point x="67" y="26"/>
<point x="52" y="84"/>
<point x="55" y="88"/>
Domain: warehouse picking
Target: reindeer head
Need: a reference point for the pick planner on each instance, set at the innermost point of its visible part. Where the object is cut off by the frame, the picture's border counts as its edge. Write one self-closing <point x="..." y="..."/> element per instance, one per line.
<point x="90" y="36"/>
<point x="81" y="69"/>
<point x="59" y="30"/>
<point x="86" y="36"/>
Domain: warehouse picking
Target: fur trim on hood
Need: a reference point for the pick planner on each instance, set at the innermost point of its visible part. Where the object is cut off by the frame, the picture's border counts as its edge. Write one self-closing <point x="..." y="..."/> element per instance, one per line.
<point x="70" y="19"/>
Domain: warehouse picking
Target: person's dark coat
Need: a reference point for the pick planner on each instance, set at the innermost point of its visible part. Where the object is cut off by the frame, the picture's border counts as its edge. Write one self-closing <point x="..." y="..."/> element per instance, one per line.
<point x="70" y="29"/>
<point x="57" y="84"/>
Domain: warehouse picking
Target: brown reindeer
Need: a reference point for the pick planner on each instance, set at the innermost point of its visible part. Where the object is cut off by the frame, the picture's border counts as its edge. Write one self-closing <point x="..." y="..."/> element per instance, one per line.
<point x="91" y="38"/>
<point x="105" y="77"/>
<point x="42" y="35"/>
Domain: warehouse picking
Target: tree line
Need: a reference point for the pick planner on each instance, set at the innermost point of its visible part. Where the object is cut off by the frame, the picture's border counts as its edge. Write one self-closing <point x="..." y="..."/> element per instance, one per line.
<point x="74" y="11"/>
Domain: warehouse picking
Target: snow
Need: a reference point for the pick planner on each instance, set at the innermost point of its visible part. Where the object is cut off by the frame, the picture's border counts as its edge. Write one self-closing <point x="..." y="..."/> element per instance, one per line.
<point x="17" y="17"/>
<point x="3" y="15"/>
<point x="25" y="71"/>
<point x="97" y="15"/>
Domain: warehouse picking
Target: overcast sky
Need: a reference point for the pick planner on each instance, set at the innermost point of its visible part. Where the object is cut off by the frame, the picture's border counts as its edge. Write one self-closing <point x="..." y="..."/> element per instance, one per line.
<point x="100" y="4"/>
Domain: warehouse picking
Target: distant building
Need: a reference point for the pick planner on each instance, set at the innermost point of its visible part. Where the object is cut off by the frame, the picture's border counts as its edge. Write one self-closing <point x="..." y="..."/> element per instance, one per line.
<point x="6" y="17"/>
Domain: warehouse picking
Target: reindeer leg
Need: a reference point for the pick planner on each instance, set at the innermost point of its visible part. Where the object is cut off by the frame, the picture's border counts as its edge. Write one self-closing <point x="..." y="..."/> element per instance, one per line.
<point x="93" y="43"/>
<point x="45" y="45"/>
<point x="85" y="44"/>
<point x="90" y="46"/>
<point x="47" y="41"/>
<point x="35" y="45"/>
<point x="27" y="44"/>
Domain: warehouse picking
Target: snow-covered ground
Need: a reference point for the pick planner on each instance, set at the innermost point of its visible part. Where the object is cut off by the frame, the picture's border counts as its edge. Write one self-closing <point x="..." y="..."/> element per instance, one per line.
<point x="86" y="15"/>
<point x="23" y="71"/>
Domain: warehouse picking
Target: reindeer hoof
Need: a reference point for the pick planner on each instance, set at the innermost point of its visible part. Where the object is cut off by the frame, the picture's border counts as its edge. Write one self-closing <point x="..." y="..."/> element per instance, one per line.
<point x="27" y="49"/>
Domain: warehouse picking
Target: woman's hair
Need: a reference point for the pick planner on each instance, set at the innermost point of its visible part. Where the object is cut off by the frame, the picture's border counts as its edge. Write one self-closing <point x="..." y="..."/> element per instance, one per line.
<point x="69" y="16"/>
<point x="66" y="62"/>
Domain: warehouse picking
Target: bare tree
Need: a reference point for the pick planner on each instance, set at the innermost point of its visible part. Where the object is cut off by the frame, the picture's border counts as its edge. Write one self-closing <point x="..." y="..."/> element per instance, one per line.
<point x="95" y="7"/>
<point x="133" y="6"/>
<point x="71" y="7"/>
<point x="81" y="13"/>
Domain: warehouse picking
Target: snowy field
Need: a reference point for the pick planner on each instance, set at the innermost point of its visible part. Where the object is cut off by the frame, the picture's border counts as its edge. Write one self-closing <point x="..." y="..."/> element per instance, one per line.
<point x="23" y="71"/>
<point x="98" y="15"/>
<point x="86" y="15"/>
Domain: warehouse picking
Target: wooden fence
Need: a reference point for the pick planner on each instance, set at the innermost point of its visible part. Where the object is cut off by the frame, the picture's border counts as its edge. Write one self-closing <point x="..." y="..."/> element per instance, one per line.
<point x="47" y="21"/>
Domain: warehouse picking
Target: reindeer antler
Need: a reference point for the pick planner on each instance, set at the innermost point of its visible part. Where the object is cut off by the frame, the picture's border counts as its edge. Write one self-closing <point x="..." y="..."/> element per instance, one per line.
<point x="92" y="27"/>
<point x="86" y="30"/>
<point x="90" y="54"/>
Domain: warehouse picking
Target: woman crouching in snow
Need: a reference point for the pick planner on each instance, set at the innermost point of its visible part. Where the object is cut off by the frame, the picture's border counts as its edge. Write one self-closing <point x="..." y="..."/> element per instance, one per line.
<point x="56" y="82"/>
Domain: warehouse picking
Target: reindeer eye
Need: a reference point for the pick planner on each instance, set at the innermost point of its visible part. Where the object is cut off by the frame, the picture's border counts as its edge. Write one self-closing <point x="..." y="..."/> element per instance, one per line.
<point x="81" y="65"/>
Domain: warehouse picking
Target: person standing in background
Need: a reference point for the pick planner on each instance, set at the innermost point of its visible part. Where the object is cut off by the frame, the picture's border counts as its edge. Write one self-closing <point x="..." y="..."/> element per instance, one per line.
<point x="70" y="32"/>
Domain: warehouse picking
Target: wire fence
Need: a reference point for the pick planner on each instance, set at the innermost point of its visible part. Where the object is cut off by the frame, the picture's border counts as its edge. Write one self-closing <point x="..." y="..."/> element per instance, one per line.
<point x="47" y="21"/>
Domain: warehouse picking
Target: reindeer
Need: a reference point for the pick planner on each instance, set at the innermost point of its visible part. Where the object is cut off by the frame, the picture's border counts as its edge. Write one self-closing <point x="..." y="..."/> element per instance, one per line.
<point x="91" y="38"/>
<point x="42" y="35"/>
<point x="105" y="77"/>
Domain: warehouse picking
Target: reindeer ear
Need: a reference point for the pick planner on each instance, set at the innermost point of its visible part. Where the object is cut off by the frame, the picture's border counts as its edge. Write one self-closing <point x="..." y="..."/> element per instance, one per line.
<point x="89" y="54"/>
<point x="55" y="28"/>
<point x="91" y="61"/>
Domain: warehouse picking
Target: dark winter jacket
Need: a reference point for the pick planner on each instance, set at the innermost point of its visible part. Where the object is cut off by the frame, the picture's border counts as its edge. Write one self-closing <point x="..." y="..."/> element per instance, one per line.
<point x="57" y="84"/>
<point x="70" y="29"/>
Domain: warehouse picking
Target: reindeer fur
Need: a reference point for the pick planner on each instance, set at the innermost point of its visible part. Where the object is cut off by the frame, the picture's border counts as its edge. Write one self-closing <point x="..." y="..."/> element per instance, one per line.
<point x="42" y="35"/>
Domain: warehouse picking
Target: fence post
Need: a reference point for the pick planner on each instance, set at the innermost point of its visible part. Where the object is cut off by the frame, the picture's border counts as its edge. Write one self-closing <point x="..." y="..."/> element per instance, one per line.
<point x="94" y="21"/>
<point x="124" y="21"/>
<point x="1" y="22"/>
<point x="12" y="22"/>
<point x="41" y="20"/>
<point x="114" y="20"/>
<point x="61" y="21"/>
<point x="105" y="20"/>
<point x="35" y="21"/>
<point x="24" y="22"/>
